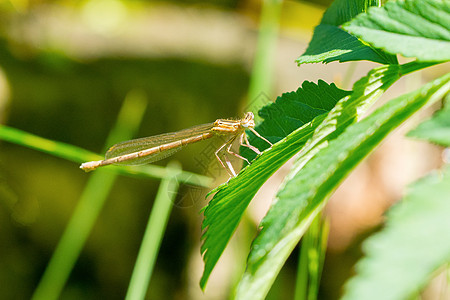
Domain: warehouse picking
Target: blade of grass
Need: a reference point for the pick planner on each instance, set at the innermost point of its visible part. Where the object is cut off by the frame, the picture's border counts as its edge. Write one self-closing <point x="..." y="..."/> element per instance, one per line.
<point x="312" y="254"/>
<point x="74" y="236"/>
<point x="301" y="284"/>
<point x="154" y="233"/>
<point x="153" y="171"/>
<point x="58" y="149"/>
<point x="88" y="208"/>
<point x="261" y="80"/>
<point x="319" y="237"/>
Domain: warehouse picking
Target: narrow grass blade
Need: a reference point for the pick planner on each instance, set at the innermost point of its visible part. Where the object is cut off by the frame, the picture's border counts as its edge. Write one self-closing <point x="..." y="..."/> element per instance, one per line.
<point x="261" y="81"/>
<point x="153" y="235"/>
<point x="58" y="149"/>
<point x="312" y="255"/>
<point x="87" y="210"/>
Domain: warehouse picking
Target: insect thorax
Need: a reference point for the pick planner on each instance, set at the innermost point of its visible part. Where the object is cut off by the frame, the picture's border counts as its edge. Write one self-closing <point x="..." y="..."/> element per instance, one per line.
<point x="227" y="126"/>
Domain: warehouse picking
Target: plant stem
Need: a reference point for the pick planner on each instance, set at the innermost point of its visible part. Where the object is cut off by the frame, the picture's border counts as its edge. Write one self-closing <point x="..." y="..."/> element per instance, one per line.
<point x="154" y="233"/>
<point x="311" y="258"/>
<point x="88" y="208"/>
<point x="261" y="81"/>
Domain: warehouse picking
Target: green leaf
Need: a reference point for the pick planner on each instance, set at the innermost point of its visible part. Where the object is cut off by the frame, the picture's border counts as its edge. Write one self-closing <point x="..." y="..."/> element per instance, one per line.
<point x="366" y="91"/>
<point x="401" y="258"/>
<point x="412" y="28"/>
<point x="437" y="129"/>
<point x="310" y="183"/>
<point x="224" y="211"/>
<point x="331" y="43"/>
<point x="291" y="111"/>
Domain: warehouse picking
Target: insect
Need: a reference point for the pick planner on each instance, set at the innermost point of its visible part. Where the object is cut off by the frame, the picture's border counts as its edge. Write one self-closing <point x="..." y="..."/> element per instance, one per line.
<point x="154" y="148"/>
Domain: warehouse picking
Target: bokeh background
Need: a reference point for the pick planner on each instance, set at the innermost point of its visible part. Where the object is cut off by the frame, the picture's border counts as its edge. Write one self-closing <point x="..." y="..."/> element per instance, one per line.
<point x="66" y="68"/>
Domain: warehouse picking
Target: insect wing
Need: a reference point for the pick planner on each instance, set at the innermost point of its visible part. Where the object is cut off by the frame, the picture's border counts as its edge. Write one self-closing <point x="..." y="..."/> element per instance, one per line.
<point x="140" y="144"/>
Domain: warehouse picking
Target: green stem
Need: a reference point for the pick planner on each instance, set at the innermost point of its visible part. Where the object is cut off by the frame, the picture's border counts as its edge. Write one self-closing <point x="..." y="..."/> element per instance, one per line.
<point x="261" y="80"/>
<point x="153" y="235"/>
<point x="415" y="66"/>
<point x="74" y="236"/>
<point x="349" y="74"/>
<point x="88" y="208"/>
<point x="301" y="284"/>
<point x="312" y="254"/>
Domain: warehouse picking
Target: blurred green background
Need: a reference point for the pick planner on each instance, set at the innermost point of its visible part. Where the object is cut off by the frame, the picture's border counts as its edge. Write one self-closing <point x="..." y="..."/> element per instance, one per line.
<point x="66" y="68"/>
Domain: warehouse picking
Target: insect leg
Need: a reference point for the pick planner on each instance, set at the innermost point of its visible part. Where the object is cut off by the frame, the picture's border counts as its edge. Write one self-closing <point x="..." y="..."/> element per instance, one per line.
<point x="228" y="167"/>
<point x="260" y="136"/>
<point x="235" y="154"/>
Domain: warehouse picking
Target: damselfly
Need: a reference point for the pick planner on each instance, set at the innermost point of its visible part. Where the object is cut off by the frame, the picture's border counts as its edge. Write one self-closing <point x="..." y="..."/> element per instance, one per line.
<point x="154" y="148"/>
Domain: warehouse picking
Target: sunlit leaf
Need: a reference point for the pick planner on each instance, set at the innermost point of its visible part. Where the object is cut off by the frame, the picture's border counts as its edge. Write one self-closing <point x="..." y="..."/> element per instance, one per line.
<point x="309" y="185"/>
<point x="331" y="43"/>
<point x="412" y="28"/>
<point x="401" y="258"/>
<point x="225" y="210"/>
<point x="437" y="129"/>
<point x="223" y="213"/>
<point x="291" y="111"/>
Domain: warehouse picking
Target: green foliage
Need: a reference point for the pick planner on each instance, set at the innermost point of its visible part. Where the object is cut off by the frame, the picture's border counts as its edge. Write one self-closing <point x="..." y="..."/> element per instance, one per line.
<point x="412" y="28"/>
<point x="223" y="213"/>
<point x="333" y="143"/>
<point x="415" y="242"/>
<point x="402" y="257"/>
<point x="322" y="125"/>
<point x="331" y="43"/>
<point x="291" y="111"/>
<point x="308" y="186"/>
<point x="340" y="117"/>
<point x="437" y="129"/>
